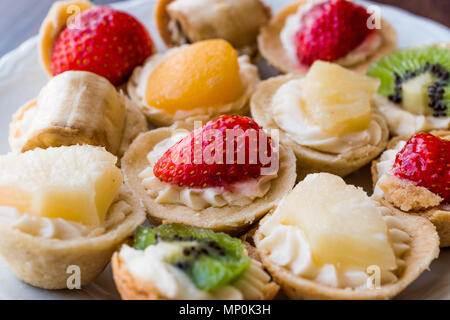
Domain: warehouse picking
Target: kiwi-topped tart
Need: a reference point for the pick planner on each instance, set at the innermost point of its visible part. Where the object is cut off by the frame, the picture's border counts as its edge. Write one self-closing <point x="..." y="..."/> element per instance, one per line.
<point x="175" y="261"/>
<point x="415" y="85"/>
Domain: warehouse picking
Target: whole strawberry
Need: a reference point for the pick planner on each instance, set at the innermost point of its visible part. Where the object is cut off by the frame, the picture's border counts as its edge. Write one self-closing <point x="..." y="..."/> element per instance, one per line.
<point x="104" y="41"/>
<point x="331" y="30"/>
<point x="221" y="152"/>
<point x="425" y="160"/>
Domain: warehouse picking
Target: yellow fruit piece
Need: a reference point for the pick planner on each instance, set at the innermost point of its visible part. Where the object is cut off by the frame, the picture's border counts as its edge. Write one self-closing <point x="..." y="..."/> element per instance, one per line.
<point x="337" y="99"/>
<point x="204" y="74"/>
<point x="343" y="225"/>
<point x="75" y="183"/>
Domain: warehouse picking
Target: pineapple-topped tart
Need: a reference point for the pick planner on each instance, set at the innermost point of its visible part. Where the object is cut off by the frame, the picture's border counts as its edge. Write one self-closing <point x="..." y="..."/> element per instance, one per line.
<point x="223" y="176"/>
<point x="328" y="117"/>
<point x="193" y="82"/>
<point x="62" y="207"/>
<point x="413" y="175"/>
<point x="329" y="240"/>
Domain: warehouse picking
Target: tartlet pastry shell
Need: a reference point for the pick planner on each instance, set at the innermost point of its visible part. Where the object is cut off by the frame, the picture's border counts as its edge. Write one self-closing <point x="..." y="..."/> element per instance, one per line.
<point x="43" y="262"/>
<point x="424" y="247"/>
<point x="308" y="159"/>
<point x="440" y="218"/>
<point x="231" y="219"/>
<point x="272" y="49"/>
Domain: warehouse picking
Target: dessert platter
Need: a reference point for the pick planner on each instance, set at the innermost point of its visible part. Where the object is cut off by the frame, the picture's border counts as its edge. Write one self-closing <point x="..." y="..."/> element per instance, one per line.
<point x="226" y="149"/>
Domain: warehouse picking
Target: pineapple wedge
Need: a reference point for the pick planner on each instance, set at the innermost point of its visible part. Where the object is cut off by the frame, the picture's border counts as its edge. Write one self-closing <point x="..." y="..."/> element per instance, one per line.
<point x="337" y="99"/>
<point x="76" y="183"/>
<point x="343" y="225"/>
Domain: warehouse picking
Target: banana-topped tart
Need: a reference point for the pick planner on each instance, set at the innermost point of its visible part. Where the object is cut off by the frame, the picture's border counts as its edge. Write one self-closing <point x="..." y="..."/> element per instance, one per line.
<point x="223" y="176"/>
<point x="77" y="35"/>
<point x="61" y="207"/>
<point x="415" y="89"/>
<point x="193" y="82"/>
<point x="328" y="117"/>
<point x="237" y="21"/>
<point x="329" y="240"/>
<point x="413" y="175"/>
<point x="175" y="261"/>
<point x="77" y="107"/>
<point x="338" y="31"/>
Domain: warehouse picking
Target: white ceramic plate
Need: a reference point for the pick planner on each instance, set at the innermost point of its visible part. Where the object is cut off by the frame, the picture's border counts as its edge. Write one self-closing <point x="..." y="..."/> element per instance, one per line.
<point x="21" y="78"/>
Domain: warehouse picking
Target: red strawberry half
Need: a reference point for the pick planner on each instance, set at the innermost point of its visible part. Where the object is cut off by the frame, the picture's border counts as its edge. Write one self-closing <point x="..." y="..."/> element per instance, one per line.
<point x="425" y="160"/>
<point x="331" y="30"/>
<point x="226" y="150"/>
<point x="102" y="40"/>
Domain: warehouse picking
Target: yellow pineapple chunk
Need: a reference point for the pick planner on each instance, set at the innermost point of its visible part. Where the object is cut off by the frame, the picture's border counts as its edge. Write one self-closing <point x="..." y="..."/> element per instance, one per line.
<point x="76" y="183"/>
<point x="204" y="74"/>
<point x="337" y="99"/>
<point x="343" y="225"/>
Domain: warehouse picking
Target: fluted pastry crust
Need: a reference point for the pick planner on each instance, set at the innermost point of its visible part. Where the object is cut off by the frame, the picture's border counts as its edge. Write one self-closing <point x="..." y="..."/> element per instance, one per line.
<point x="308" y="159"/>
<point x="231" y="219"/>
<point x="271" y="48"/>
<point x="43" y="262"/>
<point x="424" y="247"/>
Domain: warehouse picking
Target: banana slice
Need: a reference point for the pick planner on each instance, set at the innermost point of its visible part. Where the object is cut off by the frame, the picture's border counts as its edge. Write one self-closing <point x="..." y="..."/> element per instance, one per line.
<point x="77" y="107"/>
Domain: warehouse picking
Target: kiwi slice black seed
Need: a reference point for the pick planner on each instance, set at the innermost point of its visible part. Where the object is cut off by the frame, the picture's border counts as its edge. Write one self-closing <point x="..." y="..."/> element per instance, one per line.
<point x="416" y="78"/>
<point x="211" y="260"/>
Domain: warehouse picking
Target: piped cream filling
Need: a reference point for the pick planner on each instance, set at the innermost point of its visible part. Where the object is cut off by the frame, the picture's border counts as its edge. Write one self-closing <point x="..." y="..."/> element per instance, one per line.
<point x="61" y="229"/>
<point x="288" y="247"/>
<point x="290" y="117"/>
<point x="238" y="194"/>
<point x="150" y="265"/>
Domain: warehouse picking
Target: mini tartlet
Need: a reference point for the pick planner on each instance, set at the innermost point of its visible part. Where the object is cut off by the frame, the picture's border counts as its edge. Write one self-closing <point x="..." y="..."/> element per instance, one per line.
<point x="413" y="196"/>
<point x="77" y="107"/>
<point x="63" y="207"/>
<point x="220" y="197"/>
<point x="347" y="245"/>
<point x="179" y="262"/>
<point x="343" y="137"/>
<point x="379" y="43"/>
<point x="237" y="21"/>
<point x="193" y="82"/>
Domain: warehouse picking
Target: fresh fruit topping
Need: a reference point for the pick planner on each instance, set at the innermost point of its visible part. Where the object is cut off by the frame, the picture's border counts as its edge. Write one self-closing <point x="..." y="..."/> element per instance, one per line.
<point x="344" y="227"/>
<point x="204" y="74"/>
<point x="416" y="78"/>
<point x="225" y="150"/>
<point x="104" y="41"/>
<point x="211" y="260"/>
<point x="76" y="183"/>
<point x="337" y="99"/>
<point x="425" y="160"/>
<point x="330" y="30"/>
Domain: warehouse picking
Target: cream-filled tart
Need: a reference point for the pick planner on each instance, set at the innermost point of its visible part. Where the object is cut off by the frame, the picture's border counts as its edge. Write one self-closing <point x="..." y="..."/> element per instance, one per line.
<point x="78" y="35"/>
<point x="77" y="107"/>
<point x="223" y="176"/>
<point x="237" y="21"/>
<point x="329" y="240"/>
<point x="193" y="82"/>
<point x="178" y="262"/>
<point x="63" y="207"/>
<point x="415" y="89"/>
<point x="413" y="175"/>
<point x="338" y="31"/>
<point x="328" y="117"/>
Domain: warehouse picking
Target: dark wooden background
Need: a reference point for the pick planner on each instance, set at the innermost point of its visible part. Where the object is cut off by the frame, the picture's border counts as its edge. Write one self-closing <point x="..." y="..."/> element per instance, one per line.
<point x="20" y="19"/>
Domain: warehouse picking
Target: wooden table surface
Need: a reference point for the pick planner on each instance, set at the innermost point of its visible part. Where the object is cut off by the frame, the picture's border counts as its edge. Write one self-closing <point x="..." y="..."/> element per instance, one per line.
<point x="22" y="18"/>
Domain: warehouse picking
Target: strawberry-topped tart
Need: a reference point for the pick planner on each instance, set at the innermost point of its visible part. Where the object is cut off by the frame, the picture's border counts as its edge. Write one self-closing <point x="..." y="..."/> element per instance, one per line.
<point x="338" y="31"/>
<point x="222" y="176"/>
<point x="76" y="35"/>
<point x="413" y="175"/>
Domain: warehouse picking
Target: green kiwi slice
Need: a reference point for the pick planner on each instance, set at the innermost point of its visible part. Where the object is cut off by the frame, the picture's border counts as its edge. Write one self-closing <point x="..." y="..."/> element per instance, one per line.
<point x="416" y="78"/>
<point x="211" y="260"/>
